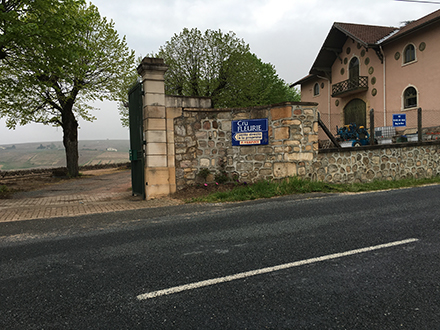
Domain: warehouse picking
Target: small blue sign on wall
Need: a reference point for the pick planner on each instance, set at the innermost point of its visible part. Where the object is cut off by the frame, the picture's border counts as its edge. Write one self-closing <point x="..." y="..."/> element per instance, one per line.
<point x="399" y="120"/>
<point x="250" y="132"/>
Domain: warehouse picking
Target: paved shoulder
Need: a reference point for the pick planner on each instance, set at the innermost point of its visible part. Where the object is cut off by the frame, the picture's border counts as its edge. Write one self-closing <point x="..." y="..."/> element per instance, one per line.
<point x="108" y="192"/>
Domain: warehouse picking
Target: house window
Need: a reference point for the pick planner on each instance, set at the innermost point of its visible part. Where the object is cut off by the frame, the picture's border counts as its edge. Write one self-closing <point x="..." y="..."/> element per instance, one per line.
<point x="410" y="98"/>
<point x="354" y="69"/>
<point x="409" y="54"/>
<point x="316" y="89"/>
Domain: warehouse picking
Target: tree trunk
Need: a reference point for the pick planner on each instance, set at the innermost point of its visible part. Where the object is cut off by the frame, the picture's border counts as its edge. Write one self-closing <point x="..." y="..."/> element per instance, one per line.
<point x="70" y="141"/>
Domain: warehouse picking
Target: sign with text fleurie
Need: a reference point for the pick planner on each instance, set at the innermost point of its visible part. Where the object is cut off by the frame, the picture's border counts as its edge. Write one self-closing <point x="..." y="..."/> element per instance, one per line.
<point x="250" y="132"/>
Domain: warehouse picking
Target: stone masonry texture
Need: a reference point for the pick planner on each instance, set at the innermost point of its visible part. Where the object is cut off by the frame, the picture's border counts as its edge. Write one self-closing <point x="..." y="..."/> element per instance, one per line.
<point x="392" y="162"/>
<point x="204" y="151"/>
<point x="203" y="144"/>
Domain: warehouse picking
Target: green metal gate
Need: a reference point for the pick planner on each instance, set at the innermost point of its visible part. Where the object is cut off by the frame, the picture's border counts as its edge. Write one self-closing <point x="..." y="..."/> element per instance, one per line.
<point x="355" y="112"/>
<point x="136" y="140"/>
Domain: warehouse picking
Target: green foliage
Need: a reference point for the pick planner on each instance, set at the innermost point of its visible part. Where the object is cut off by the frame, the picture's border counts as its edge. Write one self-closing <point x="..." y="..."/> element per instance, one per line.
<point x="295" y="185"/>
<point x="221" y="177"/>
<point x="197" y="60"/>
<point x="76" y="57"/>
<point x="220" y="66"/>
<point x="5" y="192"/>
<point x="17" y="25"/>
<point x="70" y="56"/>
<point x="255" y="83"/>
<point x="203" y="173"/>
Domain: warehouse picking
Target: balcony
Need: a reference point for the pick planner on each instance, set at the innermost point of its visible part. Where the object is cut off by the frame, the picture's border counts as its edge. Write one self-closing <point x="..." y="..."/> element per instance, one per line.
<point x="350" y="86"/>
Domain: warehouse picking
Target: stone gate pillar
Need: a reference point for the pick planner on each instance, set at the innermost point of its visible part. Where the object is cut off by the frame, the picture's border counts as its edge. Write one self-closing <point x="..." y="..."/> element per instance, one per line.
<point x="159" y="174"/>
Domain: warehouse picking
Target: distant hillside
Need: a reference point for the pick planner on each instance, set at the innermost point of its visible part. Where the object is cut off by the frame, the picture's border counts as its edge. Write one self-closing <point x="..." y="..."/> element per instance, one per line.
<point x="51" y="154"/>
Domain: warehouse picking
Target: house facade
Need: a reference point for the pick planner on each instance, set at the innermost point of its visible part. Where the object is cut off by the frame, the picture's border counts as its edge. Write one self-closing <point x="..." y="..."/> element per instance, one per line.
<point x="391" y="70"/>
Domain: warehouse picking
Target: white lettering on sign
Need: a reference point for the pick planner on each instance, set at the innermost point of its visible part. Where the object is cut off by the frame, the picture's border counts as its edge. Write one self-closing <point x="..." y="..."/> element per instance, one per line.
<point x="243" y="126"/>
<point x="248" y="132"/>
<point x="248" y="136"/>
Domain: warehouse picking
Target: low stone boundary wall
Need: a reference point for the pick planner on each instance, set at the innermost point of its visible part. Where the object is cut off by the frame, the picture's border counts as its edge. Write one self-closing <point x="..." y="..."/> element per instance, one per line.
<point x="203" y="144"/>
<point x="45" y="171"/>
<point x="381" y="162"/>
<point x="204" y="152"/>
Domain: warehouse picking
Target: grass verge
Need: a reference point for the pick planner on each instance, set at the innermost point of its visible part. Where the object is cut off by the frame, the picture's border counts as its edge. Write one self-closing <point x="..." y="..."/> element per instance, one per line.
<point x="294" y="185"/>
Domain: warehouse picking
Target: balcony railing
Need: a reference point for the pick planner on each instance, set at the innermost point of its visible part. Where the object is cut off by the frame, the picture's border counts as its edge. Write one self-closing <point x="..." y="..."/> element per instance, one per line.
<point x="350" y="86"/>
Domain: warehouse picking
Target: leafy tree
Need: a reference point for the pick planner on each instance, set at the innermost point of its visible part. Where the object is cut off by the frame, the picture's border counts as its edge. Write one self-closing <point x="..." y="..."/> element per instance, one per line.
<point x="12" y="29"/>
<point x="246" y="81"/>
<point x="17" y="24"/>
<point x="196" y="60"/>
<point x="72" y="57"/>
<point x="222" y="67"/>
<point x="219" y="66"/>
<point x="10" y="10"/>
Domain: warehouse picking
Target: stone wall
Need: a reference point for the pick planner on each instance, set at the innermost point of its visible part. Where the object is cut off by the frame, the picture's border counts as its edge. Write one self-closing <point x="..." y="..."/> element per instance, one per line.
<point x="381" y="162"/>
<point x="189" y="142"/>
<point x="54" y="170"/>
<point x="203" y="142"/>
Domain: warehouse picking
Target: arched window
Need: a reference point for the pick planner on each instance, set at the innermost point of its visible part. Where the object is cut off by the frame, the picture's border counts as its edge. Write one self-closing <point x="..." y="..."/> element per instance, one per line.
<point x="316" y="89"/>
<point x="410" y="98"/>
<point x="409" y="53"/>
<point x="354" y="69"/>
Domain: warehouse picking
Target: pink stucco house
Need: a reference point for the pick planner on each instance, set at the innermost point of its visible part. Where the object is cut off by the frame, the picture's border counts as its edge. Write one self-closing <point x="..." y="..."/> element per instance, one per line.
<point x="388" y="69"/>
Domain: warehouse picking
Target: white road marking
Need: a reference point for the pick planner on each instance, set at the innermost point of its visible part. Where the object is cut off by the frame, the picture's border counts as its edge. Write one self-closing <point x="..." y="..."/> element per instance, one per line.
<point x="266" y="270"/>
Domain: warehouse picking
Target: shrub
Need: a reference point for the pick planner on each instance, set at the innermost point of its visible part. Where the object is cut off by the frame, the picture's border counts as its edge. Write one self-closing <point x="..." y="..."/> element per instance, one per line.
<point x="203" y="173"/>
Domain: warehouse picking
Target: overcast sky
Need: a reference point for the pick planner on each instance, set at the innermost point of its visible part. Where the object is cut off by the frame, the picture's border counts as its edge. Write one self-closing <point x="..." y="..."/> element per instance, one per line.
<point x="286" y="33"/>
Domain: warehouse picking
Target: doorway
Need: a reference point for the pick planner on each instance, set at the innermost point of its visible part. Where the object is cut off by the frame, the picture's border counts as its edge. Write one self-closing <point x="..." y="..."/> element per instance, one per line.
<point x="355" y="112"/>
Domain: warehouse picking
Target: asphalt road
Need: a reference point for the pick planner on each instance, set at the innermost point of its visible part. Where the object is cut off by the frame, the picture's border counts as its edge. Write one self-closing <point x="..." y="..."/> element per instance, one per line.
<point x="364" y="261"/>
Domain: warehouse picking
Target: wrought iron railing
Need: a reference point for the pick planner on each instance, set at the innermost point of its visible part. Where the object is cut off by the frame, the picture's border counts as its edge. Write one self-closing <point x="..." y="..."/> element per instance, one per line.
<point x="349" y="86"/>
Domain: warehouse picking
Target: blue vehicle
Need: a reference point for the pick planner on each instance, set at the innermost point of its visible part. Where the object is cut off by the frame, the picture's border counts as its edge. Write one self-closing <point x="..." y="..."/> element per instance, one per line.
<point x="357" y="135"/>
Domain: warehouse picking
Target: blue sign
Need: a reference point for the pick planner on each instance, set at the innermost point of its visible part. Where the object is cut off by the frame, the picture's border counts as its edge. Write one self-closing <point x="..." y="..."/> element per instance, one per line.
<point x="249" y="132"/>
<point x="399" y="120"/>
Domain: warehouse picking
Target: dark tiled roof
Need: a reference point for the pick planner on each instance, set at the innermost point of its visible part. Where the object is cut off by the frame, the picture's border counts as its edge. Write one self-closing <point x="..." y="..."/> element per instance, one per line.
<point x="415" y="25"/>
<point x="303" y="80"/>
<point x="366" y="34"/>
<point x="370" y="36"/>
